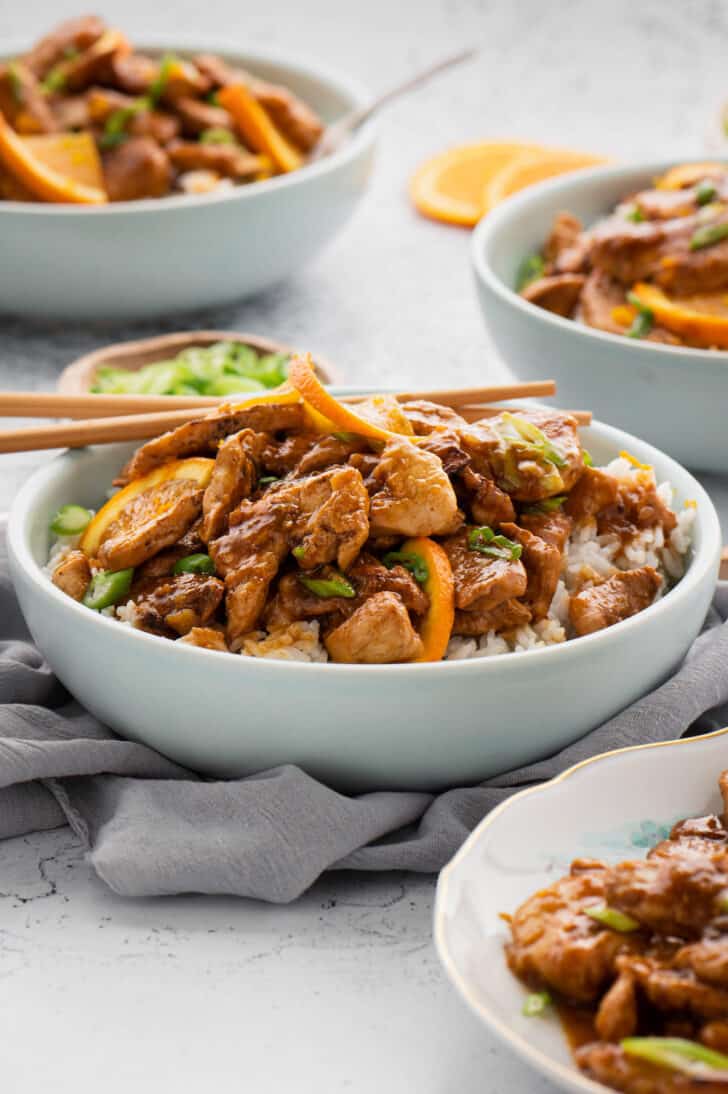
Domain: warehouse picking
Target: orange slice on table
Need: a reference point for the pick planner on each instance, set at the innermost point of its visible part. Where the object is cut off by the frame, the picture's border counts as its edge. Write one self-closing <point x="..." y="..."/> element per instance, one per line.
<point x="450" y="186"/>
<point x="532" y="167"/>
<point x="701" y="320"/>
<point x="33" y="165"/>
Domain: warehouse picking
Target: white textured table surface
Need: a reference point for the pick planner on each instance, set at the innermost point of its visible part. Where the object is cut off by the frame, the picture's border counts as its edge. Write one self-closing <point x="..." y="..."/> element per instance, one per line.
<point x="342" y="991"/>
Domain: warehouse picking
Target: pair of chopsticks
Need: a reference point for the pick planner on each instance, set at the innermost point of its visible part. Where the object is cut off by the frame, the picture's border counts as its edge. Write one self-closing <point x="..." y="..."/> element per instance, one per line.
<point x="138" y="417"/>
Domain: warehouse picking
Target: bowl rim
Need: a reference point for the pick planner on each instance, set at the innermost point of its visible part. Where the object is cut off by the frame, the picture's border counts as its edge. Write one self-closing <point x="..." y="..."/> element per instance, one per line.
<point x="703" y="564"/>
<point x="568" y="1075"/>
<point x="499" y="220"/>
<point x="347" y="87"/>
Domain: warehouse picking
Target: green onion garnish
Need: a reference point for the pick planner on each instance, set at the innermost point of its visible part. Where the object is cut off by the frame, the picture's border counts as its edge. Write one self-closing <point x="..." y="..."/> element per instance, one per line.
<point x="706" y="192"/>
<point x="412" y="562"/>
<point x="588" y="461"/>
<point x="266" y="480"/>
<point x="70" y="520"/>
<point x="159" y="84"/>
<point x="115" y="127"/>
<point x="708" y="235"/>
<point x="612" y="918"/>
<point x="536" y="439"/>
<point x="213" y="98"/>
<point x="217" y="135"/>
<point x="677" y="1053"/>
<point x="224" y="368"/>
<point x="486" y="542"/>
<point x="107" y="588"/>
<point x="194" y="564"/>
<point x="530" y="269"/>
<point x="635" y="215"/>
<point x="548" y="505"/>
<point x="328" y="587"/>
<point x="535" y="1004"/>
<point x="722" y="902"/>
<point x="16" y="82"/>
<point x="55" y="80"/>
<point x="299" y="552"/>
<point x="643" y="320"/>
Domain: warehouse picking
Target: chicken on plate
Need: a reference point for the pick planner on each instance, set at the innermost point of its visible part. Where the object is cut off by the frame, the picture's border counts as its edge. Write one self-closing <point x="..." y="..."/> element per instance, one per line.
<point x="655" y="269"/>
<point x="294" y="526"/>
<point x="636" y="957"/>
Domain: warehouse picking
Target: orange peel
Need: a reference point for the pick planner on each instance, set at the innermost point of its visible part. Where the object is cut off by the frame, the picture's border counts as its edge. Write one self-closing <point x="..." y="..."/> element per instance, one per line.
<point x="694" y="324"/>
<point x="437" y="625"/>
<point x="43" y="181"/>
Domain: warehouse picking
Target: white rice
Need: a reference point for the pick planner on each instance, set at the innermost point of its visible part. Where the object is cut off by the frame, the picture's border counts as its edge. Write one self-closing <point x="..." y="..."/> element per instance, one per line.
<point x="588" y="558"/>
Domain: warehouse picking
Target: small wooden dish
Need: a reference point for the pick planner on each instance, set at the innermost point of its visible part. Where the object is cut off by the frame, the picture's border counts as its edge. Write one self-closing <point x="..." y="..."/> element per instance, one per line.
<point x="78" y="377"/>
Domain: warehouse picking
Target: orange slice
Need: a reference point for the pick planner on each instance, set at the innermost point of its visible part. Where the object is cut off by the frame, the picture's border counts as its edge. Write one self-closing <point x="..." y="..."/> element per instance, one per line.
<point x="43" y="181"/>
<point x="198" y="469"/>
<point x="257" y="129"/>
<point x="687" y="174"/>
<point x="533" y="167"/>
<point x="699" y="320"/>
<point x="338" y="417"/>
<point x="440" y="587"/>
<point x="450" y="186"/>
<point x="73" y="155"/>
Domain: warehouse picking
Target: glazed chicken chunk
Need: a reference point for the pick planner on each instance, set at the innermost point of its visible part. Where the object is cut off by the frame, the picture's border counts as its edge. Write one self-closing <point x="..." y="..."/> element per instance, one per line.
<point x="622" y="595"/>
<point x="378" y="632"/>
<point x="416" y="497"/>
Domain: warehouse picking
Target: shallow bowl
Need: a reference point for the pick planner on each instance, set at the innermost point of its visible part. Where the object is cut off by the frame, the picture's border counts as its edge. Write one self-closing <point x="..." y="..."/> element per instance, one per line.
<point x="673" y="396"/>
<point x="136" y="259"/>
<point x="358" y="727"/>
<point x="613" y="807"/>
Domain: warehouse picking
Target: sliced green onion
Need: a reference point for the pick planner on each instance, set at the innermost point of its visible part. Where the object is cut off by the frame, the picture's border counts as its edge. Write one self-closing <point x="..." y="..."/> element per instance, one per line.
<point x="328" y="587"/>
<point x="412" y="562"/>
<point x="345" y="437"/>
<point x="115" y="126"/>
<point x="107" y="588"/>
<point x="486" y="542"/>
<point x="55" y="80"/>
<point x="213" y="98"/>
<point x="612" y="918"/>
<point x="643" y="320"/>
<point x="677" y="1053"/>
<point x="299" y="552"/>
<point x="70" y="520"/>
<point x="16" y="82"/>
<point x="588" y="461"/>
<point x="706" y="192"/>
<point x="194" y="564"/>
<point x="722" y="902"/>
<point x="536" y="438"/>
<point x="530" y="269"/>
<point x="548" y="505"/>
<point x="635" y="215"/>
<point x="266" y="480"/>
<point x="224" y="368"/>
<point x="535" y="1004"/>
<point x="708" y="235"/>
<point x="159" y="84"/>
<point x="217" y="135"/>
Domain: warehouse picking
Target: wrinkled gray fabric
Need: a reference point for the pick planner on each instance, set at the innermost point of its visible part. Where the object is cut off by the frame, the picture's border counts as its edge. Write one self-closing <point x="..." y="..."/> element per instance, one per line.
<point x="151" y="827"/>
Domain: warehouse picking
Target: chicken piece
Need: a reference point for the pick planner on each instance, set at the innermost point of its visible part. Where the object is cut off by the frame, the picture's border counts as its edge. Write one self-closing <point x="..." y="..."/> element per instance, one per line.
<point x="504" y="617"/>
<point x="207" y="638"/>
<point x="163" y="563"/>
<point x="73" y="575"/>
<point x="136" y="168"/>
<point x="554" y="527"/>
<point x="564" y="235"/>
<point x="197" y="116"/>
<point x="610" y="1065"/>
<point x="281" y="457"/>
<point x="715" y="1035"/>
<point x="488" y="503"/>
<point x="677" y="989"/>
<point x="708" y="959"/>
<point x="294" y="602"/>
<point x="64" y="41"/>
<point x="543" y="569"/>
<point x="557" y="293"/>
<point x="617" y="1015"/>
<point x="227" y="160"/>
<point x="416" y="496"/>
<point x="599" y="298"/>
<point x="102" y="102"/>
<point x="324" y="515"/>
<point x="638" y="506"/>
<point x="154" y="519"/>
<point x="91" y="65"/>
<point x="328" y="450"/>
<point x="594" y="491"/>
<point x="445" y="445"/>
<point x="664" y="204"/>
<point x="554" y="943"/>
<point x="203" y="435"/>
<point x="482" y="582"/>
<point x="132" y="72"/>
<point x="523" y="468"/>
<point x="624" y="594"/>
<point x="234" y="478"/>
<point x="22" y="101"/>
<point x="177" y="604"/>
<point x="71" y="112"/>
<point x="427" y="418"/>
<point x="379" y="632"/>
<point x="675" y="889"/>
<point x="369" y="576"/>
<point x="184" y="81"/>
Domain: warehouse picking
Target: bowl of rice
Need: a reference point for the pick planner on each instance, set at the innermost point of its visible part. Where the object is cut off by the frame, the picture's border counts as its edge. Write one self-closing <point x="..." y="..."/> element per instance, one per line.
<point x="493" y="701"/>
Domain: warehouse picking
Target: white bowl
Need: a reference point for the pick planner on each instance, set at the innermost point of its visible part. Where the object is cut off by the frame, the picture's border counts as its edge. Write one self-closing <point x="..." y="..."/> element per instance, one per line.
<point x="135" y="259"/>
<point x="673" y="396"/>
<point x="358" y="727"/>
<point x="613" y="807"/>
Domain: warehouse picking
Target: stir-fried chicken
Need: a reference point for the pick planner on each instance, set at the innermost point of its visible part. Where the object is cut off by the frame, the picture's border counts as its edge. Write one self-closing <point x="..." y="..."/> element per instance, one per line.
<point x="554" y="527"/>
<point x="543" y="567"/>
<point x="622" y="595"/>
<point x="558" y="293"/>
<point x="68" y="39"/>
<point x="378" y="632"/>
<point x="416" y="497"/>
<point x="234" y="478"/>
<point x="488" y="503"/>
<point x="138" y="168"/>
<point x="176" y="604"/>
<point x="608" y="1064"/>
<point x="482" y="582"/>
<point x="564" y="236"/>
<point x="503" y="617"/>
<point x="152" y="520"/>
<point x="594" y="492"/>
<point x="73" y="574"/>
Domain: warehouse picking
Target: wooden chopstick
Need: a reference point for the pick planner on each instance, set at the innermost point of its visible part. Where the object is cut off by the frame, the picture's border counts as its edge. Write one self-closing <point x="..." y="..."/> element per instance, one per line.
<point x="41" y="404"/>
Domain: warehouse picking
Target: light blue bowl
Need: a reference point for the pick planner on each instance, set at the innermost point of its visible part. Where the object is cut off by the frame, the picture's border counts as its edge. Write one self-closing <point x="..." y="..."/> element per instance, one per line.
<point x="672" y="396"/>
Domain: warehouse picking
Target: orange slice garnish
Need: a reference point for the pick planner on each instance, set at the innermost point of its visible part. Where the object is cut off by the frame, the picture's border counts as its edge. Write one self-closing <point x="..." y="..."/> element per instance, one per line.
<point x="450" y="186"/>
<point x="73" y="155"/>
<point x="44" y="181"/>
<point x="532" y="167"/>
<point x="699" y="320"/>
<point x="688" y="174"/>
<point x="437" y="625"/>
<point x="337" y="416"/>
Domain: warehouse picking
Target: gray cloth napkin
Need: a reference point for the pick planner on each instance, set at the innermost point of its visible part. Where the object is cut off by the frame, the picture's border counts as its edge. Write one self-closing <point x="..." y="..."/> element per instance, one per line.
<point x="152" y="827"/>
